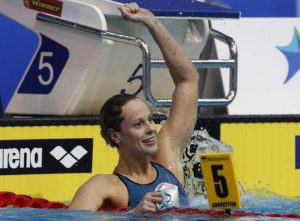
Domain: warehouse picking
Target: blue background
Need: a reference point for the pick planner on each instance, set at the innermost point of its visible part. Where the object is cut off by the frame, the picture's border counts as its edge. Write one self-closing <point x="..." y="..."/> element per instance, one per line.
<point x="265" y="8"/>
<point x="297" y="152"/>
<point x="16" y="42"/>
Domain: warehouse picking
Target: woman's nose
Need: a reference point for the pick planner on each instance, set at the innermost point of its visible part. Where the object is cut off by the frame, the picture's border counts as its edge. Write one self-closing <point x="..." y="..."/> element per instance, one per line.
<point x="151" y="127"/>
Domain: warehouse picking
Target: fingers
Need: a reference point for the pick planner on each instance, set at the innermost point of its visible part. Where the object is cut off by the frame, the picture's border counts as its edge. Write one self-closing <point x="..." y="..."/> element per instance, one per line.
<point x="154" y="197"/>
<point x="129" y="8"/>
<point x="148" y="207"/>
<point x="148" y="203"/>
<point x="132" y="12"/>
<point x="133" y="7"/>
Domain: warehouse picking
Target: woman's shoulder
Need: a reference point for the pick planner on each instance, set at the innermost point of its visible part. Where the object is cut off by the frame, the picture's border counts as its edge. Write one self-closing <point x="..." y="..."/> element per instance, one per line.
<point x="104" y="184"/>
<point x="111" y="188"/>
<point x="103" y="179"/>
<point x="101" y="190"/>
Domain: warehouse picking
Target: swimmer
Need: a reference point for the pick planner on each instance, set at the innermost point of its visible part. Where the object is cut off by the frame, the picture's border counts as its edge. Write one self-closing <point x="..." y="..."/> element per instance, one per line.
<point x="146" y="158"/>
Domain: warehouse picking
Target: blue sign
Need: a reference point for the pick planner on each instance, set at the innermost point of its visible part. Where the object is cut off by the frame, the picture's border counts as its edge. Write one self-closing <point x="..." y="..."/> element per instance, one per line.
<point x="292" y="54"/>
<point x="186" y="8"/>
<point x="17" y="47"/>
<point x="29" y="58"/>
<point x="297" y="152"/>
<point x="46" y="68"/>
<point x="265" y="8"/>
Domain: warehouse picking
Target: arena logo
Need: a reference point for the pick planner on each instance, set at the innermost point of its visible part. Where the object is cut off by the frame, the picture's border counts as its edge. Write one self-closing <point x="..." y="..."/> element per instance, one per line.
<point x="20" y="158"/>
<point x="68" y="159"/>
<point x="46" y="156"/>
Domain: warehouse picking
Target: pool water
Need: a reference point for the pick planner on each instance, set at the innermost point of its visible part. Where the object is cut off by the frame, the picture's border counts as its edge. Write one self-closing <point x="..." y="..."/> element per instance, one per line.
<point x="257" y="201"/>
<point x="251" y="203"/>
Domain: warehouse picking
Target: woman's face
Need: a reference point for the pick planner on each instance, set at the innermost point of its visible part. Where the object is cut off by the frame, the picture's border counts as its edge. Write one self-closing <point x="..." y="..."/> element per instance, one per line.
<point x="138" y="132"/>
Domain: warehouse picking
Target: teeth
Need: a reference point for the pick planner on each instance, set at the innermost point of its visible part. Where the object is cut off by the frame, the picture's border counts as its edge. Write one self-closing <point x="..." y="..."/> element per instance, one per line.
<point x="149" y="140"/>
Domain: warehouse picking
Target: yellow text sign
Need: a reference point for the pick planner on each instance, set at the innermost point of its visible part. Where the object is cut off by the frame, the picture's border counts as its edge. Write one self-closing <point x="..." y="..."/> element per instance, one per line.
<point x="220" y="180"/>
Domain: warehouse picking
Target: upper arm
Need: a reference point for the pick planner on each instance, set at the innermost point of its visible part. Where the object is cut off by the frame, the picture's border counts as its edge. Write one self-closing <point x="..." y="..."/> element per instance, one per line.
<point x="174" y="135"/>
<point x="90" y="196"/>
<point x="178" y="128"/>
<point x="183" y="115"/>
<point x="101" y="191"/>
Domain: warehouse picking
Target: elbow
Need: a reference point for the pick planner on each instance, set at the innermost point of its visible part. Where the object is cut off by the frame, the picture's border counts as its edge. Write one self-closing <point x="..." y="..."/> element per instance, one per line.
<point x="192" y="75"/>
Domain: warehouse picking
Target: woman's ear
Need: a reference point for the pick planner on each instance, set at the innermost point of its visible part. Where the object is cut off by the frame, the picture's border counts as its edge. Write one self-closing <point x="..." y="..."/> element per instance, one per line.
<point x="113" y="135"/>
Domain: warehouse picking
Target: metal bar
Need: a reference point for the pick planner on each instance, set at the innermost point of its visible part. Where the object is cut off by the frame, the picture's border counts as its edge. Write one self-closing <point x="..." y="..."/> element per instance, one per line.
<point x="230" y="63"/>
<point x="147" y="63"/>
<point x="110" y="36"/>
<point x="199" y="63"/>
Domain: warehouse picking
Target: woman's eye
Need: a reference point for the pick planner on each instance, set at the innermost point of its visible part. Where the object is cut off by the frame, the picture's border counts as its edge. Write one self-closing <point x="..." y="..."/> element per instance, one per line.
<point x="138" y="124"/>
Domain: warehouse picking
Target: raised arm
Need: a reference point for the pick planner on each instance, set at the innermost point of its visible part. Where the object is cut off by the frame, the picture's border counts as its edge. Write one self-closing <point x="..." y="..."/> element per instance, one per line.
<point x="183" y="114"/>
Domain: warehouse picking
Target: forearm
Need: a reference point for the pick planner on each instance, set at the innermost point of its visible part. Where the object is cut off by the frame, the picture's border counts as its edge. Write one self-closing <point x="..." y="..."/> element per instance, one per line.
<point x="183" y="113"/>
<point x="179" y="65"/>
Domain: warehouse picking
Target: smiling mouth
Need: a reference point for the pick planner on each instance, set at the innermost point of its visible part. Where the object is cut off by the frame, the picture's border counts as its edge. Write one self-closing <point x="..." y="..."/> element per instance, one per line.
<point x="151" y="140"/>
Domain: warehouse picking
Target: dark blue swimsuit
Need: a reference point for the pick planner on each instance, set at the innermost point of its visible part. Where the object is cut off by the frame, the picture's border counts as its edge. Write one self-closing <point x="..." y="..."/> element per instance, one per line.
<point x="137" y="191"/>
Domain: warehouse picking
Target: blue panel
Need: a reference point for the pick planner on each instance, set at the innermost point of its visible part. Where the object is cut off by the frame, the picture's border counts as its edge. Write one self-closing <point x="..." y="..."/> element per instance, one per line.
<point x="17" y="47"/>
<point x="46" y="68"/>
<point x="297" y="152"/>
<point x="185" y="8"/>
<point x="265" y="8"/>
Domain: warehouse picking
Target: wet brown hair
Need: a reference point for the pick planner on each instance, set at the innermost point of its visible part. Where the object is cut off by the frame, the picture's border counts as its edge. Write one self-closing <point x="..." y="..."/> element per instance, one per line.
<point x="110" y="115"/>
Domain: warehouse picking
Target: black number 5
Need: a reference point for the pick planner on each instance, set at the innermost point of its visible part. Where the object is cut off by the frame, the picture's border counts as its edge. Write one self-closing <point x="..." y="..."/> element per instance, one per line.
<point x="133" y="77"/>
<point x="219" y="181"/>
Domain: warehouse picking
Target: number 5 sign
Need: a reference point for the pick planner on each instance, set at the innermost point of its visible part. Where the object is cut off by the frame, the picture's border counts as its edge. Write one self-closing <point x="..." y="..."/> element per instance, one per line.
<point x="46" y="67"/>
<point x="220" y="181"/>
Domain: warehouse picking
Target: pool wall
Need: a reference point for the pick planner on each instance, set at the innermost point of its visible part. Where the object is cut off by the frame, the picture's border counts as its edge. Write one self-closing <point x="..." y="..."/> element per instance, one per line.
<point x="66" y="151"/>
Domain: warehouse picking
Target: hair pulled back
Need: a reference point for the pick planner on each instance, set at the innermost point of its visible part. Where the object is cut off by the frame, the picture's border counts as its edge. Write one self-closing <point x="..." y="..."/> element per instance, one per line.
<point x="110" y="115"/>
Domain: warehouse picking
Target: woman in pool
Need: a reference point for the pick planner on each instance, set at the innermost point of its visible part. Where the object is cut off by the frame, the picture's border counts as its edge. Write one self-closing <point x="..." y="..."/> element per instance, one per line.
<point x="146" y="158"/>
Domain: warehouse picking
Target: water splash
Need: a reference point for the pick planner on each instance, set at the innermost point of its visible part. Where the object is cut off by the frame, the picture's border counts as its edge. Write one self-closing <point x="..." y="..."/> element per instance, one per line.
<point x="255" y="200"/>
<point x="253" y="203"/>
<point x="270" y="204"/>
<point x="200" y="142"/>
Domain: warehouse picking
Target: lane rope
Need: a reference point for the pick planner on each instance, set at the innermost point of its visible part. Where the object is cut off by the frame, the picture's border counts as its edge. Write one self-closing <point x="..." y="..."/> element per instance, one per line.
<point x="22" y="201"/>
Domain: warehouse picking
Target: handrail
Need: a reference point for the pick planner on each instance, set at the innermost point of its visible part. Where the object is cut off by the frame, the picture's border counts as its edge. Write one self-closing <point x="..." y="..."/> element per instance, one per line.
<point x="148" y="63"/>
<point x="106" y="35"/>
<point x="224" y="63"/>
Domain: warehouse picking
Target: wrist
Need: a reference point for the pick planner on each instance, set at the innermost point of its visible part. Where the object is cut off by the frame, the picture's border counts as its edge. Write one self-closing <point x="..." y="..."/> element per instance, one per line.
<point x="151" y="22"/>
